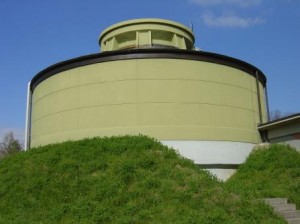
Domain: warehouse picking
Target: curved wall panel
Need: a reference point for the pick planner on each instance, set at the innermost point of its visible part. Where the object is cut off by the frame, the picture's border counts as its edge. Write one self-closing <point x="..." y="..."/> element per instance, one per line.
<point x="167" y="98"/>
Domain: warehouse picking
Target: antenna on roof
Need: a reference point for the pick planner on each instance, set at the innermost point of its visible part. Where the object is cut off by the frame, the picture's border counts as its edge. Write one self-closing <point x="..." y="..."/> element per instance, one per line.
<point x="191" y="26"/>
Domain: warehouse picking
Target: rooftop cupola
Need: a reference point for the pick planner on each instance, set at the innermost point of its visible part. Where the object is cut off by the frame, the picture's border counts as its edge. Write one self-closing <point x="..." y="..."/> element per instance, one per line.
<point x="146" y="33"/>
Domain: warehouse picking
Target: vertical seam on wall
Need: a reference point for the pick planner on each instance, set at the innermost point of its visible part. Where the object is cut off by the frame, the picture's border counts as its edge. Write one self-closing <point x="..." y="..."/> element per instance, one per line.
<point x="252" y="93"/>
<point x="258" y="97"/>
<point x="267" y="103"/>
<point x="137" y="92"/>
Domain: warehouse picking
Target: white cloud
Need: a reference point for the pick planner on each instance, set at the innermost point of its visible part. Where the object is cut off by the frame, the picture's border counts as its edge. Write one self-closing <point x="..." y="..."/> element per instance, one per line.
<point x="231" y="21"/>
<point x="240" y="3"/>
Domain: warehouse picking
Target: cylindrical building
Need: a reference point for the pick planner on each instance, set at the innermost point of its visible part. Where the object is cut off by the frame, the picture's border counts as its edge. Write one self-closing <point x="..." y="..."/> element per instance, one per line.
<point x="149" y="80"/>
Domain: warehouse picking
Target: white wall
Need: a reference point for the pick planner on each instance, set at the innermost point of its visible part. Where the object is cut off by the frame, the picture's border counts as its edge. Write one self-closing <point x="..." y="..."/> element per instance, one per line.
<point x="214" y="153"/>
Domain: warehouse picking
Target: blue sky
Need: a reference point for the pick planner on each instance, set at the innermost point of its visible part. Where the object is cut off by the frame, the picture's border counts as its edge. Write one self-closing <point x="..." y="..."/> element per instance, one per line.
<point x="35" y="34"/>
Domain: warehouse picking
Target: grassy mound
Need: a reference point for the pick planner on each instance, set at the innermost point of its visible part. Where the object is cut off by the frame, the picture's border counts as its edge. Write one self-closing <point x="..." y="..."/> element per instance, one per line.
<point x="117" y="180"/>
<point x="269" y="172"/>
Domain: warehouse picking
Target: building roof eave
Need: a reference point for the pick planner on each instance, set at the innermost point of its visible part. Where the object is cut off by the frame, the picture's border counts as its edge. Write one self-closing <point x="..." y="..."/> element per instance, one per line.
<point x="279" y="122"/>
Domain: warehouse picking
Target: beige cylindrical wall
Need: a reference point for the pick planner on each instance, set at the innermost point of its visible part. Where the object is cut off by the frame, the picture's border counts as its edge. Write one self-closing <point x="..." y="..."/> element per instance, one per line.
<point x="166" y="98"/>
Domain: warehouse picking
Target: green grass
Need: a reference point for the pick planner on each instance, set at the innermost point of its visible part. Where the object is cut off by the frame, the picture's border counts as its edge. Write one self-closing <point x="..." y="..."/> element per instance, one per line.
<point x="117" y="180"/>
<point x="269" y="172"/>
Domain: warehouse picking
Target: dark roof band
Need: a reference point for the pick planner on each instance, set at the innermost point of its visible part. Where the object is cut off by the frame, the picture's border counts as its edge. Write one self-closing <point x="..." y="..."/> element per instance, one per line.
<point x="146" y="54"/>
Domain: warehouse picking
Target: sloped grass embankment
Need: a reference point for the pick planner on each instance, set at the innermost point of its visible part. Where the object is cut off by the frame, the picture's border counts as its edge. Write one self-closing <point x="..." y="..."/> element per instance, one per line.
<point x="118" y="180"/>
<point x="272" y="171"/>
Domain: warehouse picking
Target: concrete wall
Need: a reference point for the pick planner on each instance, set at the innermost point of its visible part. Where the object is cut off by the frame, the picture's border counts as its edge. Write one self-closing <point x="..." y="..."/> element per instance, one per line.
<point x="169" y="99"/>
<point x="221" y="158"/>
<point x="290" y="140"/>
